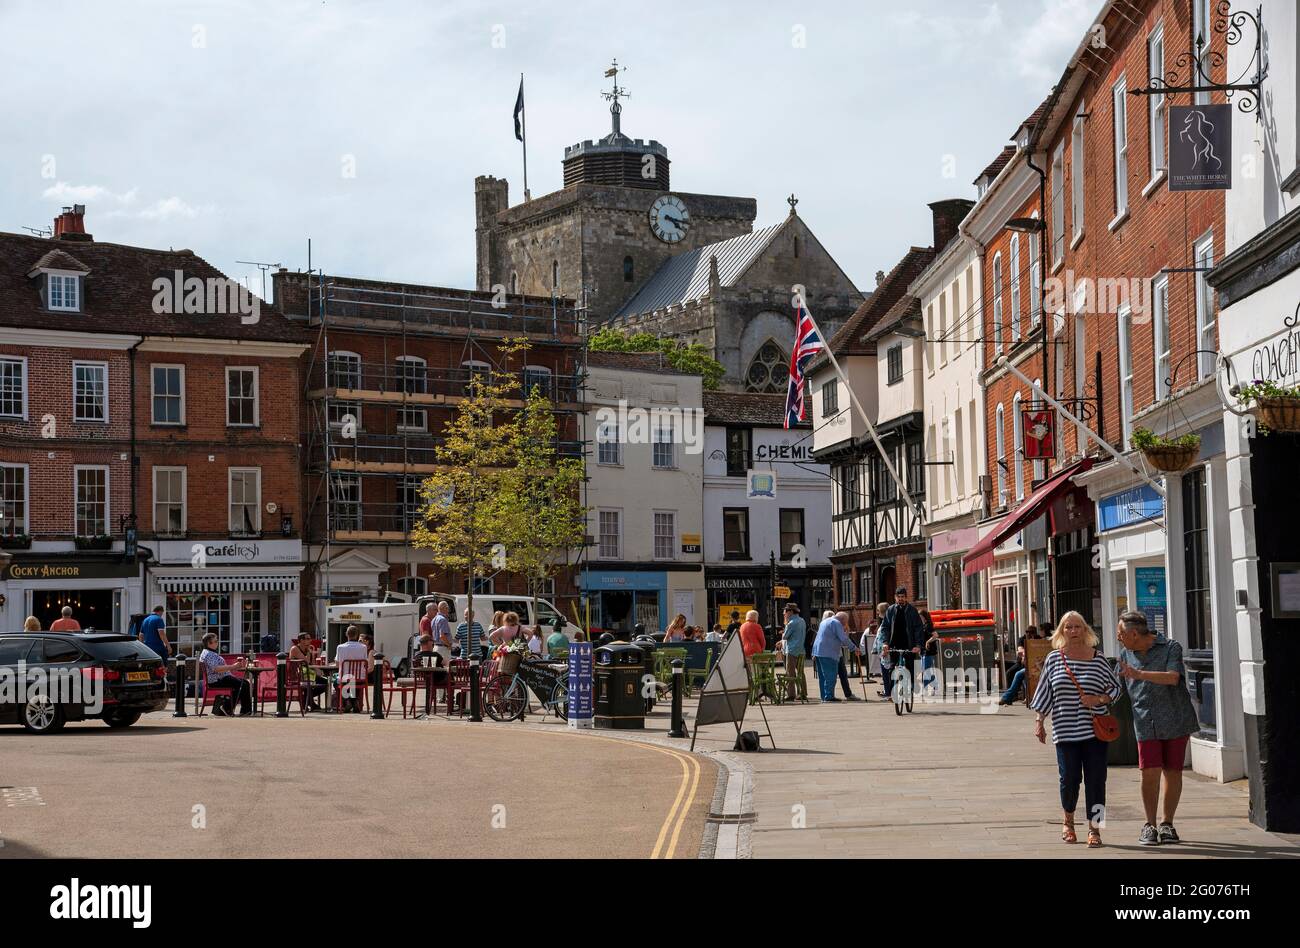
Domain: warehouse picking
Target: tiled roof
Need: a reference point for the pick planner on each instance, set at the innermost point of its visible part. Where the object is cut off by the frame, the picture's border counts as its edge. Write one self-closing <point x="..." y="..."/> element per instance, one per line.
<point x="907" y="307"/>
<point x="749" y="408"/>
<point x="637" y="361"/>
<point x="59" y="260"/>
<point x="1000" y="162"/>
<point x="118" y="294"/>
<point x="685" y="277"/>
<point x="852" y="336"/>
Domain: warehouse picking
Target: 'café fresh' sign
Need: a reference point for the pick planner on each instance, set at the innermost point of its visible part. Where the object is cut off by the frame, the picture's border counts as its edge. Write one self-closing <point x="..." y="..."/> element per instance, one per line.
<point x="231" y="551"/>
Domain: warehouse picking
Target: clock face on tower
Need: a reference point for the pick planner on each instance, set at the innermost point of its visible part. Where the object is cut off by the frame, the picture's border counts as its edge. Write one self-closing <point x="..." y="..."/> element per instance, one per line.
<point x="669" y="219"/>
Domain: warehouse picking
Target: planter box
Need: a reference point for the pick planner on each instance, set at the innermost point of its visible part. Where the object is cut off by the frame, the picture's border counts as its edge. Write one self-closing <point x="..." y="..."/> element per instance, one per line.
<point x="1171" y="459"/>
<point x="19" y="541"/>
<point x="1279" y="414"/>
<point x="93" y="543"/>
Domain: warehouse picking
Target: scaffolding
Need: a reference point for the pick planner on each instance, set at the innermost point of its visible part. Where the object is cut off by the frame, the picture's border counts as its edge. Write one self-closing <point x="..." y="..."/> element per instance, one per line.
<point x="405" y="397"/>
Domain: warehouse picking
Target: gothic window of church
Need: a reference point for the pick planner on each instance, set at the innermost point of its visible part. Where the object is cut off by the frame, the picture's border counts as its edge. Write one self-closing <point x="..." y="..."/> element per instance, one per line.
<point x="555" y="274"/>
<point x="769" y="371"/>
<point x="627" y="269"/>
<point x="796" y="248"/>
<point x="514" y="282"/>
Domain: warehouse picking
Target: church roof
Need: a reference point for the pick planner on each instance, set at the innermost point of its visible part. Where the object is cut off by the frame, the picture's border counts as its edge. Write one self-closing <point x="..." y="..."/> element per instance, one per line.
<point x="685" y="277"/>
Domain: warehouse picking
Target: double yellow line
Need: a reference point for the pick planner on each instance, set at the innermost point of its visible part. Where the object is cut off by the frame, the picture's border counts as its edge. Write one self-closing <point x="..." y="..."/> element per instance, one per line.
<point x="671" y="830"/>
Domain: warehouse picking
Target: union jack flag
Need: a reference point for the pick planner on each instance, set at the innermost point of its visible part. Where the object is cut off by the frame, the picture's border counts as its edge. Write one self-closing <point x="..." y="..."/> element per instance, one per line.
<point x="807" y="344"/>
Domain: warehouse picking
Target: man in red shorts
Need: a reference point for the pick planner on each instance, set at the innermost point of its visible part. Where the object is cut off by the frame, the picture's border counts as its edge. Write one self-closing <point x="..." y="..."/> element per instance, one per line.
<point x="1163" y="717"/>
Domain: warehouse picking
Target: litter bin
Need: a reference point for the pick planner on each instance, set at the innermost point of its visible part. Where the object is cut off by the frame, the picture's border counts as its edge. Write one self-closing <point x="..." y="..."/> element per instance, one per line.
<point x="1123" y="751"/>
<point x="617" y="686"/>
<point x="647" y="646"/>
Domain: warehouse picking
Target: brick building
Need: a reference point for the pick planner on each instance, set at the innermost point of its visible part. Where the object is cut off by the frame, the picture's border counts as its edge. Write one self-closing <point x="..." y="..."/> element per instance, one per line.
<point x="396" y="359"/>
<point x="139" y="465"/>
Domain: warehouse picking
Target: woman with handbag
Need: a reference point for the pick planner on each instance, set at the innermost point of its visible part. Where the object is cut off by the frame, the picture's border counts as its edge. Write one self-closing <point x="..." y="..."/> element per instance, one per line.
<point x="1076" y="689"/>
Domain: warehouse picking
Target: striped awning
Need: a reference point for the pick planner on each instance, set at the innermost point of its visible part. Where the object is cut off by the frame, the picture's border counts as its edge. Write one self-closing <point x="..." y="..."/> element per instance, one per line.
<point x="202" y="582"/>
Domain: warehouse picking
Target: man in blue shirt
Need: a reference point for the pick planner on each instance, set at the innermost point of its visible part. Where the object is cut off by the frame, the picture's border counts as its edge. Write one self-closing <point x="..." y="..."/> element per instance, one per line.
<point x="793" y="637"/>
<point x="153" y="630"/>
<point x="830" y="643"/>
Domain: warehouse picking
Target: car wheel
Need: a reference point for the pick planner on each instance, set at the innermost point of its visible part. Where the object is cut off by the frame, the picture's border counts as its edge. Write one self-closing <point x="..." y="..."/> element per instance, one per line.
<point x="42" y="716"/>
<point x="121" y="719"/>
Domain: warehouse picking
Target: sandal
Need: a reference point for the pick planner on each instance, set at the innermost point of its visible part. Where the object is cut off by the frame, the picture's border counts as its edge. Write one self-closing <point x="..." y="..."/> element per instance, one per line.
<point x="1067" y="833"/>
<point x="1094" y="839"/>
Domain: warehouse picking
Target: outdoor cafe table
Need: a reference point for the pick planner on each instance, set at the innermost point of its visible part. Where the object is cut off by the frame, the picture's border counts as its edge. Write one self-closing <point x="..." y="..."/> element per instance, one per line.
<point x="257" y="671"/>
<point x="325" y="671"/>
<point x="427" y="671"/>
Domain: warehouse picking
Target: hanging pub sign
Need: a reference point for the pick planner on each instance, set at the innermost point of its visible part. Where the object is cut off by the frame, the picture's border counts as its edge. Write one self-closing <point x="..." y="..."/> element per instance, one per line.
<point x="1038" y="432"/>
<point x="1200" y="147"/>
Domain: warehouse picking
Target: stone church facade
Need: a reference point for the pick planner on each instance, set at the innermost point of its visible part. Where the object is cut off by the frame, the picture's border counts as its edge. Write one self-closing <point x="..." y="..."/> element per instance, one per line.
<point x="635" y="254"/>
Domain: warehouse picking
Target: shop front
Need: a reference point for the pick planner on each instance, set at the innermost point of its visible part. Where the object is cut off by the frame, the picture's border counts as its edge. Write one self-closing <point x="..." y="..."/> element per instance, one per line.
<point x="103" y="592"/>
<point x="739" y="589"/>
<point x="246" y="591"/>
<point x="618" y="599"/>
<point x="948" y="588"/>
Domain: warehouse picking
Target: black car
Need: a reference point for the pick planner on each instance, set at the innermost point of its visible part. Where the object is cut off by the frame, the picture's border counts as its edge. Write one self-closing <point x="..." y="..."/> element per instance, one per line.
<point x="131" y="678"/>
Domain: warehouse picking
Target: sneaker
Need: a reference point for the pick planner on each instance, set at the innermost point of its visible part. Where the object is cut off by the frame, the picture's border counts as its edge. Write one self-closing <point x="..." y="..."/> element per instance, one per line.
<point x="852" y="697"/>
<point x="1149" y="836"/>
<point x="830" y="700"/>
<point x="1168" y="834"/>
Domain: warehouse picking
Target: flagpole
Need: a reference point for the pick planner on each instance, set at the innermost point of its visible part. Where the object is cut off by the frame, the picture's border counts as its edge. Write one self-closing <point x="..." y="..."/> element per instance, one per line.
<point x="523" y="126"/>
<point x="871" y="429"/>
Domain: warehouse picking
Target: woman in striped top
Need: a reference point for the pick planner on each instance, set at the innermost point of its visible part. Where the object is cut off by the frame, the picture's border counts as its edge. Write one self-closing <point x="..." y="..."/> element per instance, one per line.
<point x="1079" y="754"/>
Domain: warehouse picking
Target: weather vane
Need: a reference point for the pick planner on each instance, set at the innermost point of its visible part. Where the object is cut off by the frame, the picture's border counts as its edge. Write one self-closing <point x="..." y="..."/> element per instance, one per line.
<point x="613" y="96"/>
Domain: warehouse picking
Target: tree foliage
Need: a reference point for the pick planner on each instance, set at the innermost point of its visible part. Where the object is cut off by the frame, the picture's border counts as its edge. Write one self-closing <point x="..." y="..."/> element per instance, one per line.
<point x="686" y="357"/>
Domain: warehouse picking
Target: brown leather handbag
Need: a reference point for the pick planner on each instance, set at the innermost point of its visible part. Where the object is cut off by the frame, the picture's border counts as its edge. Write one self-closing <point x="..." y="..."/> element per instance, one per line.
<point x="1105" y="727"/>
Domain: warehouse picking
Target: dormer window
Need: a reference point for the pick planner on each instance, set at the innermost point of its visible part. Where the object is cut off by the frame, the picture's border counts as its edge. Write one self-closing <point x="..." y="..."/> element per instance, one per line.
<point x="63" y="292"/>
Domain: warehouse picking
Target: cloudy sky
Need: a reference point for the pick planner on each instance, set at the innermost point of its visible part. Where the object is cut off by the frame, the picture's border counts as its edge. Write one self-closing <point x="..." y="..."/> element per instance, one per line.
<point x="241" y="128"/>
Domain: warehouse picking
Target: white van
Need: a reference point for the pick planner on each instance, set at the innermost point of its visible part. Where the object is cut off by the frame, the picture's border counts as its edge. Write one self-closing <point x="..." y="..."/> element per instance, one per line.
<point x="391" y="626"/>
<point x="532" y="611"/>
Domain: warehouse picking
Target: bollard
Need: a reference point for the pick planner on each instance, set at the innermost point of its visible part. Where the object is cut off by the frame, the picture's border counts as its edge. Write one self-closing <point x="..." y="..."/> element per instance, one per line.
<point x="281" y="685"/>
<point x="679" y="681"/>
<point x="179" y="666"/>
<point x="475" y="712"/>
<point x="377" y="695"/>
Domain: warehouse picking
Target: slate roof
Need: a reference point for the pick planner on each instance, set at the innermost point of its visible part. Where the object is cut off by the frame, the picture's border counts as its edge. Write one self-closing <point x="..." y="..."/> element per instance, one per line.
<point x="852" y="338"/>
<point x="685" y="277"/>
<point x="118" y="293"/>
<point x="746" y="408"/>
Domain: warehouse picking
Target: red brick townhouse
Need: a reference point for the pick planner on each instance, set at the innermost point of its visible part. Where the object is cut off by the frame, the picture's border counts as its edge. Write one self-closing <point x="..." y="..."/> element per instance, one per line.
<point x="148" y="441"/>
<point x="1135" y="331"/>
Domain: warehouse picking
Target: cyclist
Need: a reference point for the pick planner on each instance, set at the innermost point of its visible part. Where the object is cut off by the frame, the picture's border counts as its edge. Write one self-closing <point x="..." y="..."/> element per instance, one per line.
<point x="904" y="634"/>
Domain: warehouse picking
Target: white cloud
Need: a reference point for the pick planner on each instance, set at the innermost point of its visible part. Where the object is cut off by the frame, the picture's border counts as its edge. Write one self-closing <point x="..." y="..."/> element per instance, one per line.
<point x="67" y="193"/>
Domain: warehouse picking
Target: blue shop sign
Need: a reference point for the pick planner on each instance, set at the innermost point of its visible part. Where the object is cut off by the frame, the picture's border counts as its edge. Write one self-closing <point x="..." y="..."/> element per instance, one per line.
<point x="1139" y="505"/>
<point x="613" y="580"/>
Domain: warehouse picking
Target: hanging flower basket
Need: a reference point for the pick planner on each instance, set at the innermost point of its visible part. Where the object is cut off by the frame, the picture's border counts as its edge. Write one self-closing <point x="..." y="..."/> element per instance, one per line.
<point x="1171" y="459"/>
<point x="1169" y="456"/>
<point x="1280" y="414"/>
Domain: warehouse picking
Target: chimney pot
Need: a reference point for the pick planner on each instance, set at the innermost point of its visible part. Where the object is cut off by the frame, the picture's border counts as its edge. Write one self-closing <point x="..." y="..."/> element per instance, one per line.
<point x="71" y="222"/>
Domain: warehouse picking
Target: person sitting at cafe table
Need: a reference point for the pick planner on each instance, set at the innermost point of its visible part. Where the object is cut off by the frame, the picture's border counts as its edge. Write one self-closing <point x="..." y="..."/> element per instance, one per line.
<point x="427" y="657"/>
<point x="217" y="675"/>
<point x="350" y="651"/>
<point x="303" y="652"/>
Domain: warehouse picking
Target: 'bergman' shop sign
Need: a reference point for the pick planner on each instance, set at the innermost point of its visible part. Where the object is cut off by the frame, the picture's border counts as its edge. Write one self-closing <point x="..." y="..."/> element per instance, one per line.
<point x="232" y="551"/>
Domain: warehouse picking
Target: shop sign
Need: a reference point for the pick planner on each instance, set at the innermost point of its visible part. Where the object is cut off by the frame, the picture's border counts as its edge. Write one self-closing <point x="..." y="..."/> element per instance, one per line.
<point x="743" y="583"/>
<point x="1038" y="431"/>
<point x="780" y="592"/>
<point x="1139" y="505"/>
<point x="761" y="484"/>
<point x="231" y="551"/>
<point x="822" y="582"/>
<point x="1151" y="598"/>
<point x="1200" y="147"/>
<point x="783" y="452"/>
<point x="69" y="571"/>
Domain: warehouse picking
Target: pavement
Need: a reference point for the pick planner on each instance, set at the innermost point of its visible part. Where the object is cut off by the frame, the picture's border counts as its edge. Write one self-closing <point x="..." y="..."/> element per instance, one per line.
<point x="853" y="779"/>
<point x="346" y="785"/>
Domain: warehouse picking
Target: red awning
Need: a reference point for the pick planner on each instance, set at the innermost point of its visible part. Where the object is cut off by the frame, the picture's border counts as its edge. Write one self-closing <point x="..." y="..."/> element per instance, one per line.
<point x="981" y="554"/>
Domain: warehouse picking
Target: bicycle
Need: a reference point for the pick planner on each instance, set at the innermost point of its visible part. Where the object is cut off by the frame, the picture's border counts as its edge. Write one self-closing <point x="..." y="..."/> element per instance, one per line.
<point x="901" y="693"/>
<point x="505" y="696"/>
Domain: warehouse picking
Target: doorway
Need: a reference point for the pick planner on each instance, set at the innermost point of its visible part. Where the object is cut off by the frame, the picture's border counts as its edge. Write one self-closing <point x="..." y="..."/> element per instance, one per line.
<point x="92" y="608"/>
<point x="252" y="621"/>
<point x="888" y="583"/>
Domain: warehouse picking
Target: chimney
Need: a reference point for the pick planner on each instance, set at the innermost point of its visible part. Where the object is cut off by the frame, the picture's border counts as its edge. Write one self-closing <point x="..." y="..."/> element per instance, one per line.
<point x="948" y="215"/>
<point x="71" y="224"/>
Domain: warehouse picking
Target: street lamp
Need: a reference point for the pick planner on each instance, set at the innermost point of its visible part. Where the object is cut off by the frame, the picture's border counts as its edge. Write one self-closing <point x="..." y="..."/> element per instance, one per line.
<point x="1026" y="225"/>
